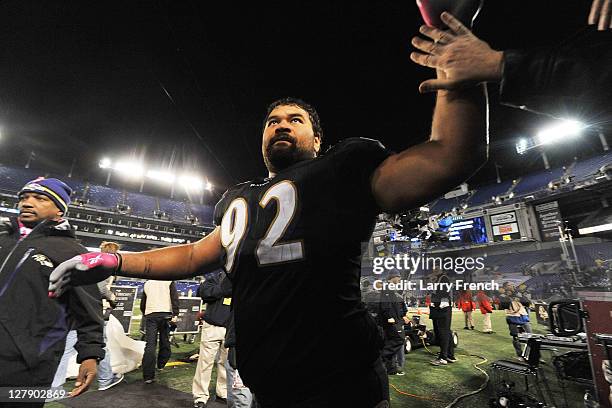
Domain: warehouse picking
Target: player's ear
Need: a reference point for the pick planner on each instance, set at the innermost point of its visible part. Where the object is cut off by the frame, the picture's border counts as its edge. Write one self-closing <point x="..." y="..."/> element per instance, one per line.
<point x="317" y="144"/>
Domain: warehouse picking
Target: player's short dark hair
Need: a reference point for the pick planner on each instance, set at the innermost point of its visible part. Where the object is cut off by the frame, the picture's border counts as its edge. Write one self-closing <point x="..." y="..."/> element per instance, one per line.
<point x="312" y="113"/>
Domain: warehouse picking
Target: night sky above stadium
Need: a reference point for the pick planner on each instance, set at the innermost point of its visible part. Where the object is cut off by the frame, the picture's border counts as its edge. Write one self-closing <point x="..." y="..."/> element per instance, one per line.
<point x="186" y="83"/>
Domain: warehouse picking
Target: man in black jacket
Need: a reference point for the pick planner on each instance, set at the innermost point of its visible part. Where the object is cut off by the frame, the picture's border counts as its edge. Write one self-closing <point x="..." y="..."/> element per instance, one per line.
<point x="391" y="317"/>
<point x="217" y="296"/>
<point x="441" y="313"/>
<point x="33" y="327"/>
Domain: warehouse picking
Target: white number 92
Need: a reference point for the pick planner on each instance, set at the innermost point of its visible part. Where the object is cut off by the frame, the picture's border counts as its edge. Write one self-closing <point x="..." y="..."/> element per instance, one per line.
<point x="269" y="250"/>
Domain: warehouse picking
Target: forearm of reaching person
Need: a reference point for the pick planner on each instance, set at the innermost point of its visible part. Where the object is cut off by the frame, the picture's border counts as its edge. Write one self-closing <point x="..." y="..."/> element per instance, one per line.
<point x="176" y="262"/>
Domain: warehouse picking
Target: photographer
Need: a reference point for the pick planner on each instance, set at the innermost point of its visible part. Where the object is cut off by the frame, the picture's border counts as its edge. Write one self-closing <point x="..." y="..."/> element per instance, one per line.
<point x="517" y="317"/>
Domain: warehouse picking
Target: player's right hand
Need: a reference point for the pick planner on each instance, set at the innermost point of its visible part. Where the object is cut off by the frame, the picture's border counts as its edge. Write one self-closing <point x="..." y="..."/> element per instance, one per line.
<point x="81" y="270"/>
<point x="601" y="14"/>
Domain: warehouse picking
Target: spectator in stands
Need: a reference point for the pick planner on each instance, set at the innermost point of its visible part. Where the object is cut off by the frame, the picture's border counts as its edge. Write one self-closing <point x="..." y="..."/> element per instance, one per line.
<point x="467" y="305"/>
<point x="517" y="318"/>
<point x="486" y="309"/>
<point x="441" y="313"/>
<point x="33" y="327"/>
<point x="549" y="80"/>
<point x="159" y="306"/>
<point x="216" y="293"/>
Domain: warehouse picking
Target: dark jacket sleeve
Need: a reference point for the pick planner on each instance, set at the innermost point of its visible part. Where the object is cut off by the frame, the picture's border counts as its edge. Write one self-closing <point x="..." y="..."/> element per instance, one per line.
<point x="215" y="287"/>
<point x="174" y="299"/>
<point x="86" y="309"/>
<point x="143" y="302"/>
<point x="568" y="80"/>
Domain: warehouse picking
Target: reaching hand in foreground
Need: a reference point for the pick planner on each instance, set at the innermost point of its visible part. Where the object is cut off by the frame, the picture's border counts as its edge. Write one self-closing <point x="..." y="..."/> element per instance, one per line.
<point x="83" y="269"/>
<point x="464" y="59"/>
<point x="601" y="14"/>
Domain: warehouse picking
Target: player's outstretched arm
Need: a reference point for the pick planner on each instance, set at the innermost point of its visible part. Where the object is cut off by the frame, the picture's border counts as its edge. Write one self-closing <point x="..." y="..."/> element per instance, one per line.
<point x="172" y="263"/>
<point x="457" y="147"/>
<point x="176" y="262"/>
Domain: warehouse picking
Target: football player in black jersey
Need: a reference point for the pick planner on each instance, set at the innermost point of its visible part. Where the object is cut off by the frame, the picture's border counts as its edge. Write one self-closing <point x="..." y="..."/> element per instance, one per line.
<point x="290" y="242"/>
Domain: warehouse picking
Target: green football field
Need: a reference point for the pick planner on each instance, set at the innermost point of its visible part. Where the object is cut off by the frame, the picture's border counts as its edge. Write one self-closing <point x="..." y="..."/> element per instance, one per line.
<point x="423" y="385"/>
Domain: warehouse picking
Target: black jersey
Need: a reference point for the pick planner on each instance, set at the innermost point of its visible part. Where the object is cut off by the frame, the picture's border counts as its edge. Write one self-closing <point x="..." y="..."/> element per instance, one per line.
<point x="292" y="248"/>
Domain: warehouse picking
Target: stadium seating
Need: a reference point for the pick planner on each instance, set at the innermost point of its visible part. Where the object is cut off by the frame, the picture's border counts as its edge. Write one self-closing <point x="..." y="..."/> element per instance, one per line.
<point x="444" y="205"/>
<point x="587" y="254"/>
<point x="177" y="210"/>
<point x="104" y="197"/>
<point x="141" y="204"/>
<point x="485" y="194"/>
<point x="203" y="212"/>
<point x="586" y="168"/>
<point x="11" y="180"/>
<point x="537" y="181"/>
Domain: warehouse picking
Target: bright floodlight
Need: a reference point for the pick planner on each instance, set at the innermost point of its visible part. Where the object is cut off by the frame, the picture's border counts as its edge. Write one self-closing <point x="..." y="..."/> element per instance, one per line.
<point x="565" y="129"/>
<point x="130" y="169"/>
<point x="191" y="182"/>
<point x="105" y="163"/>
<point x="160" y="175"/>
<point x="209" y="186"/>
<point x="522" y="146"/>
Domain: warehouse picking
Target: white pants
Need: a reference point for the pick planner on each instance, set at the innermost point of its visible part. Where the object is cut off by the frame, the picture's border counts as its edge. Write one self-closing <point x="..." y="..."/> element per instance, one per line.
<point x="210" y="345"/>
<point x="486" y="322"/>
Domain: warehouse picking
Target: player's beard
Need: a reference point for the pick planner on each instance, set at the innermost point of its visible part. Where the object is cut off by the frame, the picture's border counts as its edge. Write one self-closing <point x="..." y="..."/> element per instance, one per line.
<point x="279" y="158"/>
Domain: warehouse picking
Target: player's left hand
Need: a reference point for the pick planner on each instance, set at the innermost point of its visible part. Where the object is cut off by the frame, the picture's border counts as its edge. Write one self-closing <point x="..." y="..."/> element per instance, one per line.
<point x="464" y="59"/>
<point x="87" y="372"/>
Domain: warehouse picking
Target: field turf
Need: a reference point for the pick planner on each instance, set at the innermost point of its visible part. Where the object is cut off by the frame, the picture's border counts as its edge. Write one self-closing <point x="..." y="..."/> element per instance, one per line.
<point x="423" y="385"/>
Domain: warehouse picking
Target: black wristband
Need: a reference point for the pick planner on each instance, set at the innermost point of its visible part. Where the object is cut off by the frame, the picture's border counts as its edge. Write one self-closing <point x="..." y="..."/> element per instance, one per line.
<point x="119" y="263"/>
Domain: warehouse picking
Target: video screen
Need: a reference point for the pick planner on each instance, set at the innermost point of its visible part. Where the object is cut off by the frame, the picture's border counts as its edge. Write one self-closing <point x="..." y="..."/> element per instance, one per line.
<point x="464" y="231"/>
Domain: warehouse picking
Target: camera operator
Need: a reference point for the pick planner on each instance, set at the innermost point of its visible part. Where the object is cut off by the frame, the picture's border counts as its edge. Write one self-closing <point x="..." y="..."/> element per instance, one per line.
<point x="517" y="317"/>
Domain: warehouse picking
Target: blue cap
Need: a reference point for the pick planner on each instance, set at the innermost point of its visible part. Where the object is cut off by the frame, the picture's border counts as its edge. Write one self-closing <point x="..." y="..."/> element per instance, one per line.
<point x="58" y="191"/>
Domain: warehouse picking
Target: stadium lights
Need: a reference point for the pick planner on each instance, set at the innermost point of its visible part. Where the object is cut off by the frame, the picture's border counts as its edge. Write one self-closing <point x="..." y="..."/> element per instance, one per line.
<point x="190" y="182"/>
<point x="105" y="163"/>
<point x="130" y="169"/>
<point x="135" y="170"/>
<point x="522" y="146"/>
<point x="594" y="229"/>
<point x="163" y="176"/>
<point x="558" y="132"/>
